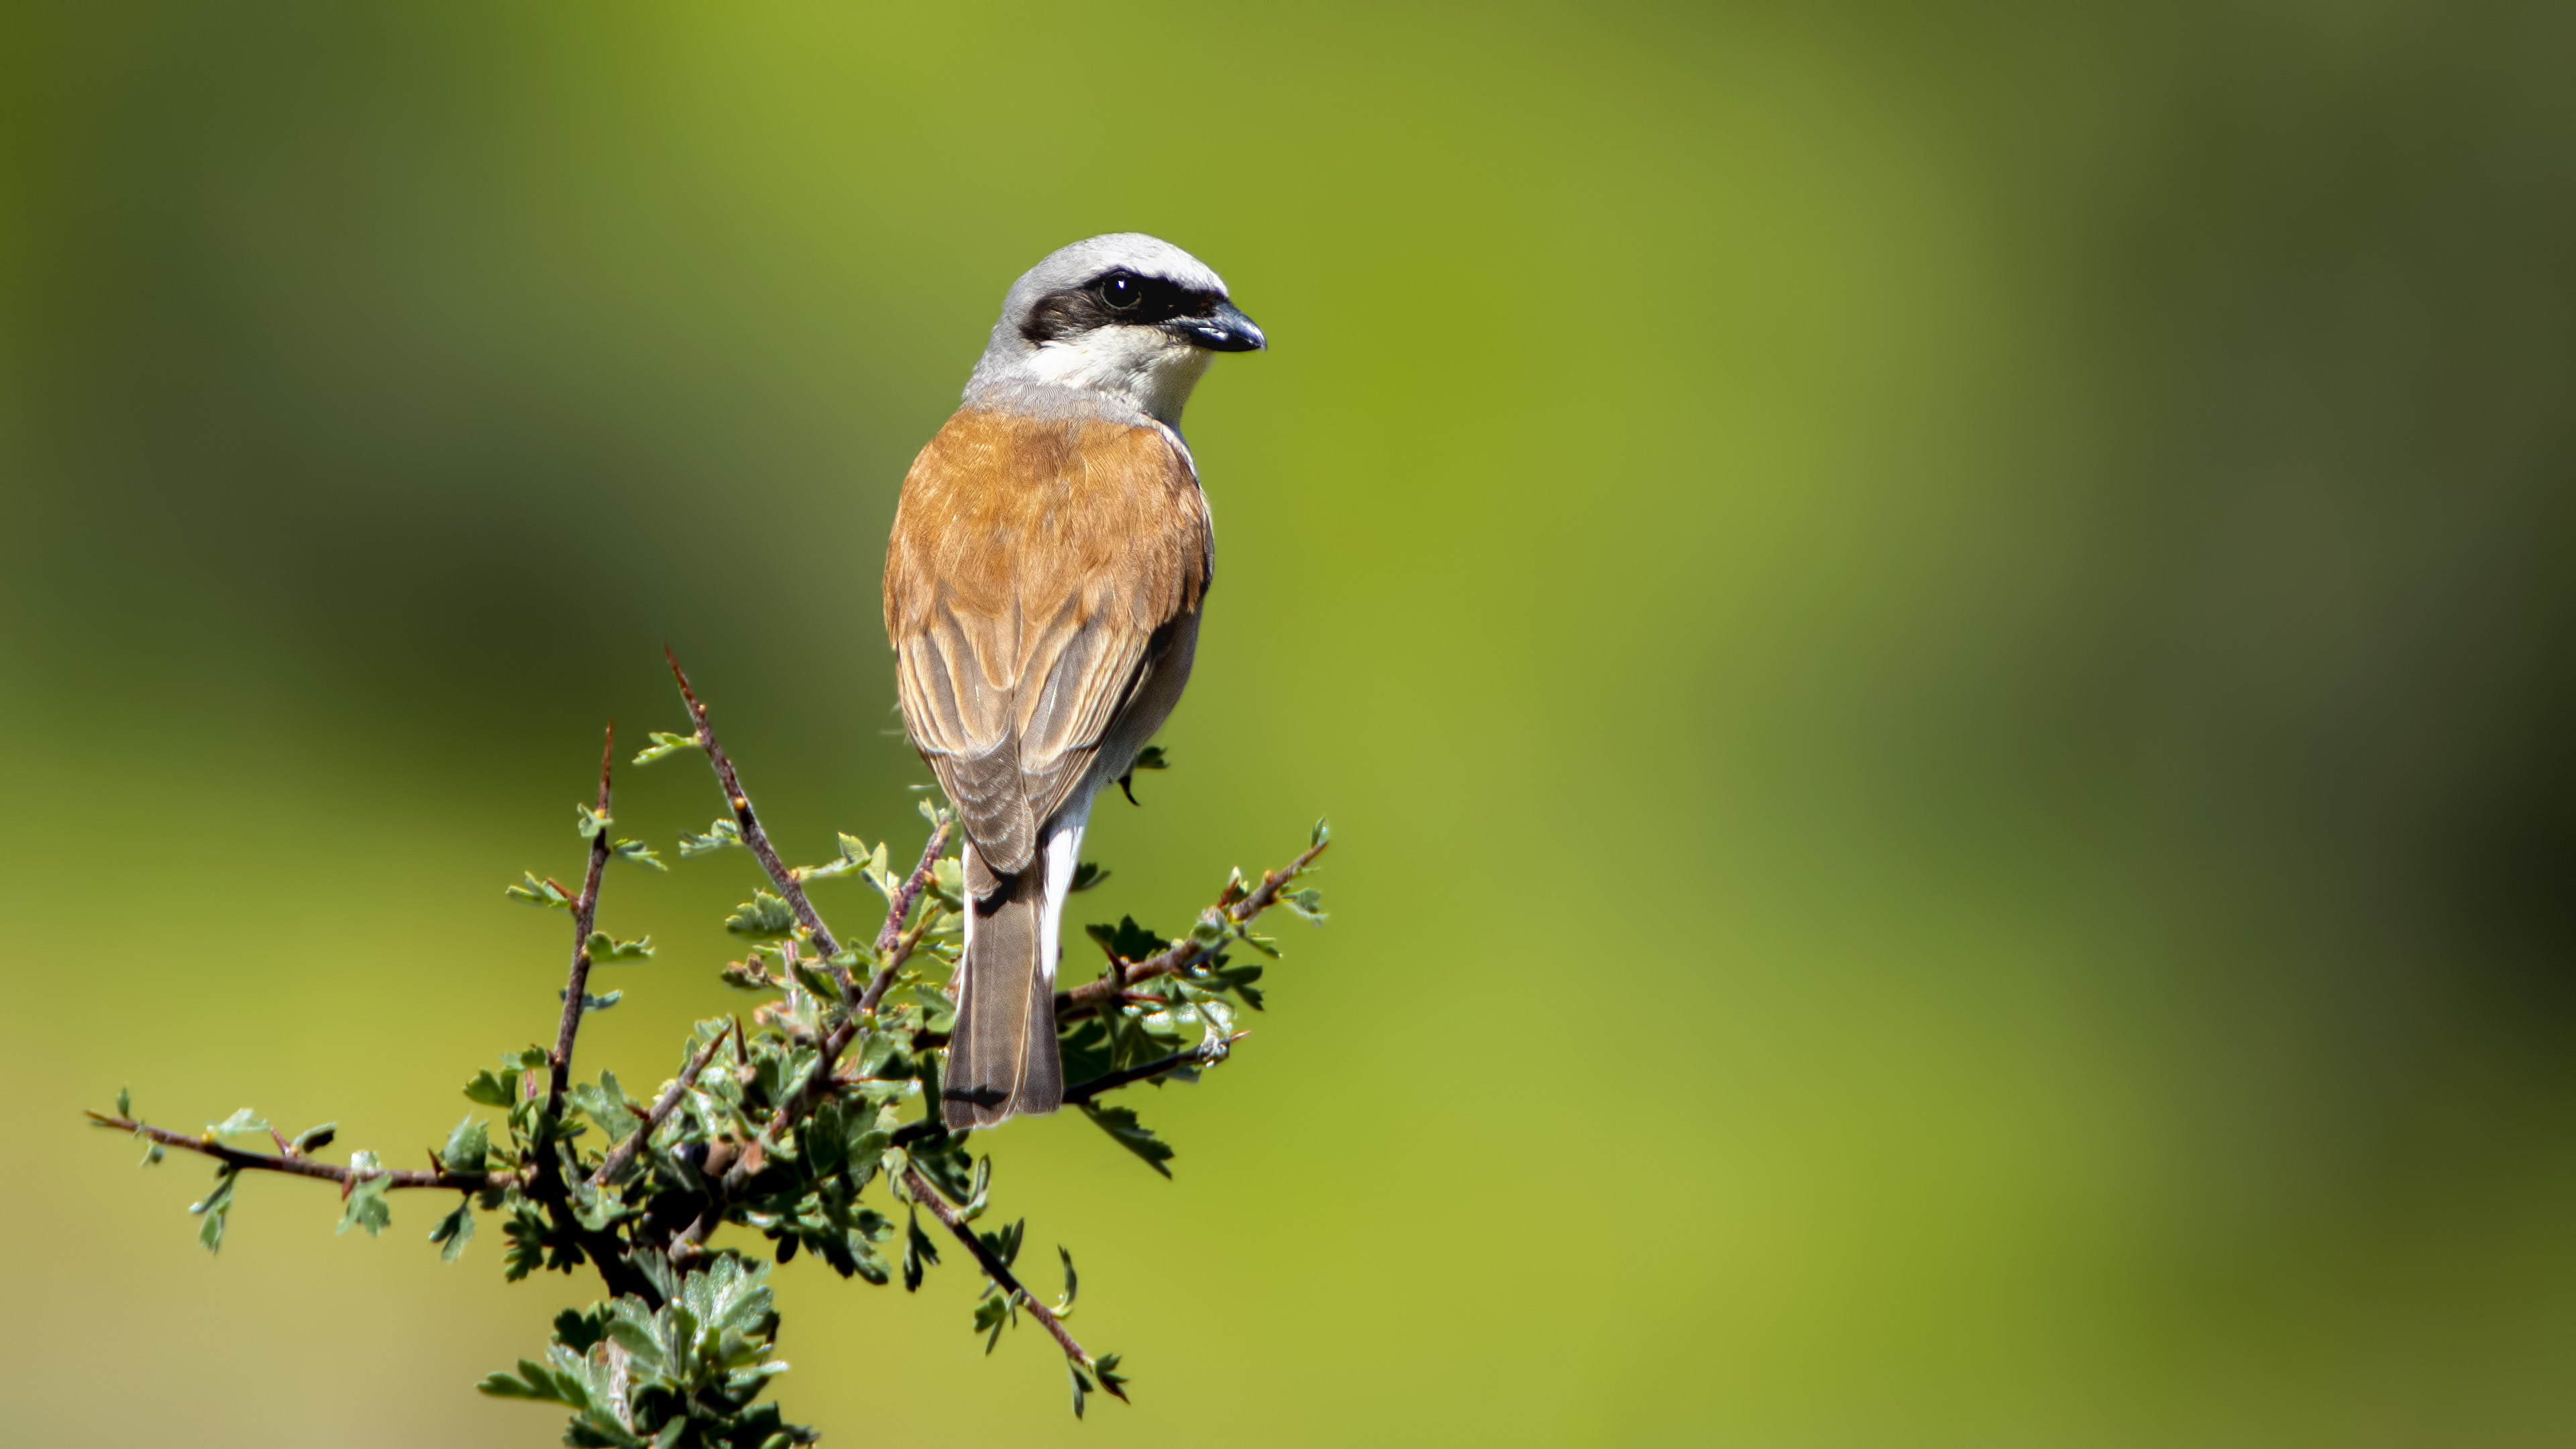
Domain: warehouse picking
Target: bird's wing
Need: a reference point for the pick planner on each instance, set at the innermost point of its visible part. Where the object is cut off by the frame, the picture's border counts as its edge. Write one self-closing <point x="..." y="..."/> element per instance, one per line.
<point x="1035" y="569"/>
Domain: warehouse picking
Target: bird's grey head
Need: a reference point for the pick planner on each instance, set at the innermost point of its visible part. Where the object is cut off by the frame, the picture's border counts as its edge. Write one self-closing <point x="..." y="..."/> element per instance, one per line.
<point x="1117" y="325"/>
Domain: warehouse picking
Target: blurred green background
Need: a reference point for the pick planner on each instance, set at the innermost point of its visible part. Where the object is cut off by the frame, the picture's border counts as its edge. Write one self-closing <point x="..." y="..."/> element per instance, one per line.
<point x="1939" y="638"/>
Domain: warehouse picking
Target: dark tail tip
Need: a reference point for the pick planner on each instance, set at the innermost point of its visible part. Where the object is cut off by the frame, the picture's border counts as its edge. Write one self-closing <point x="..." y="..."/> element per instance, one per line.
<point x="974" y="1107"/>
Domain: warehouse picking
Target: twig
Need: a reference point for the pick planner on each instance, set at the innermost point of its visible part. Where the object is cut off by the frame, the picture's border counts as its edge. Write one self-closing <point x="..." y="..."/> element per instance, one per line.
<point x="894" y="946"/>
<point x="1203" y="1055"/>
<point x="1184" y="954"/>
<point x="670" y="1100"/>
<point x="839" y="1038"/>
<point x="585" y="915"/>
<point x="299" y="1166"/>
<point x="1000" y="1272"/>
<point x="544" y="1179"/>
<point x="1200" y="1055"/>
<point x="801" y="1099"/>
<point x="756" y="839"/>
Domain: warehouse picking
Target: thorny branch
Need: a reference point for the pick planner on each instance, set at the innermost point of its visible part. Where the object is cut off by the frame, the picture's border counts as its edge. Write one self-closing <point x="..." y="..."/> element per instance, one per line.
<point x="1185" y="954"/>
<point x="547" y="1173"/>
<point x="296" y="1164"/>
<point x="1000" y="1272"/>
<point x="625" y="1151"/>
<point x="756" y="839"/>
<point x="1202" y="1055"/>
<point x="894" y="945"/>
<point x="801" y="1100"/>
<point x="585" y="914"/>
<point x="544" y="1180"/>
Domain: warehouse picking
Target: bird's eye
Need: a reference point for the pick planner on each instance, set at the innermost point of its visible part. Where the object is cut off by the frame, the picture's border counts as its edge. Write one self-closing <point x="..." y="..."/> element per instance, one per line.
<point x="1121" y="292"/>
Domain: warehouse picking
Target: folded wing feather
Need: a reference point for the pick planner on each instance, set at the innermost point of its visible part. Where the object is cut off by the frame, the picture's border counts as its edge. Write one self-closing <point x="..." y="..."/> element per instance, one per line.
<point x="1035" y="564"/>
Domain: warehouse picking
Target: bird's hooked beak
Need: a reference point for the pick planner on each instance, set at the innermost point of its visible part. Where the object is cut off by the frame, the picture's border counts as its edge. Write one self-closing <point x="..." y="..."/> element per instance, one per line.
<point x="1222" y="330"/>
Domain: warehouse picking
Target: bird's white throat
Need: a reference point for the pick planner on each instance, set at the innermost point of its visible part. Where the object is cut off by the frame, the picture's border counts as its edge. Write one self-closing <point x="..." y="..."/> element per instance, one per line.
<point x="1144" y="365"/>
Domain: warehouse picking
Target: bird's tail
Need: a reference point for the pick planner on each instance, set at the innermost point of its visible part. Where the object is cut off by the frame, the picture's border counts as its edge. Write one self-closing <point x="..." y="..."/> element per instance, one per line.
<point x="1002" y="1055"/>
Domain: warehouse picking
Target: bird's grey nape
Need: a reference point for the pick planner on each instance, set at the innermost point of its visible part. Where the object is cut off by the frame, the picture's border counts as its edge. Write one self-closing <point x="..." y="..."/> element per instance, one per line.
<point x="1062" y="348"/>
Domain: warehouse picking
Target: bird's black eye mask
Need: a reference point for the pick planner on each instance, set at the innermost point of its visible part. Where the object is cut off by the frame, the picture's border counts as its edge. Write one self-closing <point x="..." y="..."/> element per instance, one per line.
<point x="1114" y="298"/>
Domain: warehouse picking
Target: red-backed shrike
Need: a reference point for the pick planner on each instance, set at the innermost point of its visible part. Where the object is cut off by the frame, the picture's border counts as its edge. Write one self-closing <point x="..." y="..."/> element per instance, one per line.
<point x="1042" y="592"/>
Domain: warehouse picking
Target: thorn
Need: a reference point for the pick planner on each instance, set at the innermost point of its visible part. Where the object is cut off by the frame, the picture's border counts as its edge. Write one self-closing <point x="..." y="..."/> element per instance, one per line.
<point x="682" y="676"/>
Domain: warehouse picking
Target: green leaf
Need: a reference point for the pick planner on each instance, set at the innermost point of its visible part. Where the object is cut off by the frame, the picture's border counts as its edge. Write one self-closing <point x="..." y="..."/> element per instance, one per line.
<point x="454" y="1231"/>
<point x="537" y="892"/>
<point x="603" y="947"/>
<point x="215" y="1208"/>
<point x="124" y="1102"/>
<point x="1239" y="979"/>
<point x="990" y="1315"/>
<point x="466" y="1146"/>
<point x="500" y="1091"/>
<point x="719" y="835"/>
<point x="1085" y="1048"/>
<point x="1005" y="1245"/>
<point x="865" y="1260"/>
<point x="598" y="1210"/>
<point x="809" y="973"/>
<point x="314" y="1139"/>
<point x="1072" y="1284"/>
<point x="1308" y="903"/>
<point x="865" y="1143"/>
<point x="577" y="1330"/>
<point x="764" y="915"/>
<point x="1121" y="1123"/>
<point x="606" y="1103"/>
<point x="534" y="1383"/>
<point x="588" y="823"/>
<point x="637" y="1338"/>
<point x="365" y="1206"/>
<point x="1323" y="833"/>
<point x="1081" y="1385"/>
<point x="854" y="859"/>
<point x="590" y="1002"/>
<point x="238" y="1123"/>
<point x="666" y="743"/>
<point x="1149" y="758"/>
<point x="888" y="884"/>
<point x="639" y="853"/>
<point x="1086" y="875"/>
<point x="938" y="1012"/>
<point x="1127" y="941"/>
<point x="919" y="1253"/>
<point x="1111" y="1380"/>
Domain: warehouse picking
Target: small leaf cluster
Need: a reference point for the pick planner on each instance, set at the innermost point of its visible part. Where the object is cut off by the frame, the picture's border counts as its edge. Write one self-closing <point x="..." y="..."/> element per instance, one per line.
<point x="677" y="1376"/>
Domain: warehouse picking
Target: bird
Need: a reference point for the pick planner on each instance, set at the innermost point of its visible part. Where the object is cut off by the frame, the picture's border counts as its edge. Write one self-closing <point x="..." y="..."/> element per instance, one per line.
<point x="1051" y="553"/>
